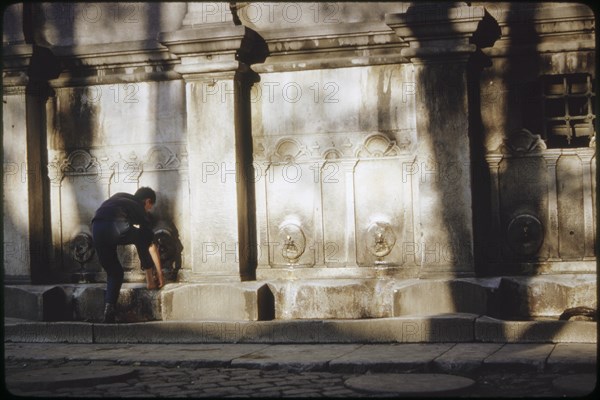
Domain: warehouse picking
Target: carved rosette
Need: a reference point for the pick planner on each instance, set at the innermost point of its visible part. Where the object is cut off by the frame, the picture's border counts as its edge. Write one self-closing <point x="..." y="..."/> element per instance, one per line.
<point x="161" y="157"/>
<point x="380" y="239"/>
<point x="289" y="150"/>
<point x="378" y="146"/>
<point x="293" y="242"/>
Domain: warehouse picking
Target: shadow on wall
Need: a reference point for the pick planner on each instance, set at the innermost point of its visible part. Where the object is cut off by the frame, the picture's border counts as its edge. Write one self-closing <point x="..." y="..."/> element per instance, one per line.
<point x="66" y="121"/>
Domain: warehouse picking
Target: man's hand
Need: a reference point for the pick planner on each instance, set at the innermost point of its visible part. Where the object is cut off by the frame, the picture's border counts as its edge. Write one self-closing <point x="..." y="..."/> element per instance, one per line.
<point x="156" y="258"/>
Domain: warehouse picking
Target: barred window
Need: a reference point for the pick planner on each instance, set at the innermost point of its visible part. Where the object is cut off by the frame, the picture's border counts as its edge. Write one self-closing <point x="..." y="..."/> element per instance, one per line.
<point x="567" y="103"/>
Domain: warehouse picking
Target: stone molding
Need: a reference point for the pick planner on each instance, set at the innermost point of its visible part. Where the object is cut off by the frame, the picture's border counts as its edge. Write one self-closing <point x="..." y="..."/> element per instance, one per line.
<point x="15" y="62"/>
<point x="334" y="46"/>
<point x="526" y="144"/>
<point x="104" y="164"/>
<point x="132" y="61"/>
<point x="96" y="64"/>
<point x="334" y="147"/>
<point x="551" y="28"/>
<point x="211" y="48"/>
<point x="435" y="30"/>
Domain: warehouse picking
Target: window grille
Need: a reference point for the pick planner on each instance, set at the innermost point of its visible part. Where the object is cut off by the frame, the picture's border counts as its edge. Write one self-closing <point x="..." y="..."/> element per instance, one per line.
<point x="568" y="109"/>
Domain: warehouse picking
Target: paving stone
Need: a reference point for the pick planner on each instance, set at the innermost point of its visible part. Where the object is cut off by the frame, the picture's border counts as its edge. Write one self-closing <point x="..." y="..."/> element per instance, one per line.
<point x="294" y="357"/>
<point x="519" y="357"/>
<point x="410" y="384"/>
<point x="573" y="357"/>
<point x="389" y="357"/>
<point x="465" y="357"/>
<point x="154" y="379"/>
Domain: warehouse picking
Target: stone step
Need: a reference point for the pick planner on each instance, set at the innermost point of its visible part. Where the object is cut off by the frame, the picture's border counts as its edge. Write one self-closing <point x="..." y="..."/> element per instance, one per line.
<point x="508" y="298"/>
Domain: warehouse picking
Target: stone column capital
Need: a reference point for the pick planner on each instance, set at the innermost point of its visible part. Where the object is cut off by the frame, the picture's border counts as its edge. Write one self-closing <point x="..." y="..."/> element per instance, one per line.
<point x="209" y="48"/>
<point x="215" y="48"/>
<point x="494" y="159"/>
<point x="551" y="156"/>
<point x="437" y="30"/>
<point x="16" y="59"/>
<point x="586" y="155"/>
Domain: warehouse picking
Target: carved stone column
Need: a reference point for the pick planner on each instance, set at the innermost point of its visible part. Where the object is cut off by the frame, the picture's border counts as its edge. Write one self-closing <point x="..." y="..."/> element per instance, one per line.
<point x="586" y="156"/>
<point x="27" y="68"/>
<point x="16" y="262"/>
<point x="439" y="48"/>
<point x="493" y="161"/>
<point x="350" y="223"/>
<point x="215" y="59"/>
<point x="551" y="157"/>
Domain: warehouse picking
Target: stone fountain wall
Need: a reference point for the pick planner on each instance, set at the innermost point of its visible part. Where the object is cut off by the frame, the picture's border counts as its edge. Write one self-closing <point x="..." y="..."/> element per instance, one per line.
<point x="297" y="142"/>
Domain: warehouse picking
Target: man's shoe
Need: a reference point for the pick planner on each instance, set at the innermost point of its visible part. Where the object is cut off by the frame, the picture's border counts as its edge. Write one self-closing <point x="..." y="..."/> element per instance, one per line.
<point x="109" y="313"/>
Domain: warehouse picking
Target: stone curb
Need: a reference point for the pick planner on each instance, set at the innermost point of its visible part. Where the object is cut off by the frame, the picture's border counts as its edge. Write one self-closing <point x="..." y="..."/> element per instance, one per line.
<point x="459" y="328"/>
<point x="449" y="358"/>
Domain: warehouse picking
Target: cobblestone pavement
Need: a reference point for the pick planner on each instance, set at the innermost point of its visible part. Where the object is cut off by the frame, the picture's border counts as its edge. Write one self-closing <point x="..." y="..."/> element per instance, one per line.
<point x="182" y="381"/>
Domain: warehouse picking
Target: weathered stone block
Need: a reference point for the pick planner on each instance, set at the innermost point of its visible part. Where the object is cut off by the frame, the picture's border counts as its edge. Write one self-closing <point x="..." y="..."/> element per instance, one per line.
<point x="331" y="299"/>
<point x="543" y="296"/>
<point x="137" y="304"/>
<point x="427" y="297"/>
<point x="221" y="301"/>
<point x="37" y="303"/>
<point x="88" y="303"/>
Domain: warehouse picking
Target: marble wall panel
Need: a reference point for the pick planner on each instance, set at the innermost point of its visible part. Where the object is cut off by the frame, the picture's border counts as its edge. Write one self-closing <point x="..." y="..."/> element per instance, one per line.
<point x="523" y="189"/>
<point x="82" y="180"/>
<point x="117" y="115"/>
<point x="340" y="100"/>
<point x="384" y="223"/>
<point x="570" y="208"/>
<point x="335" y="186"/>
<point x="80" y="196"/>
<point x="292" y="199"/>
<point x="313" y="133"/>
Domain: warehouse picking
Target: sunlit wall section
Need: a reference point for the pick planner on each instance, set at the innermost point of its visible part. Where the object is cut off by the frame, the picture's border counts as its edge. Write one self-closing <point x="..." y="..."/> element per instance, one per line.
<point x="334" y="151"/>
<point x="15" y="177"/>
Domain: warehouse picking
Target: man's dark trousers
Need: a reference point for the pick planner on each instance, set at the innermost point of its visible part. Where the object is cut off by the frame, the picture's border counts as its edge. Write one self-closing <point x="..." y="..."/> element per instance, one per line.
<point x="107" y="236"/>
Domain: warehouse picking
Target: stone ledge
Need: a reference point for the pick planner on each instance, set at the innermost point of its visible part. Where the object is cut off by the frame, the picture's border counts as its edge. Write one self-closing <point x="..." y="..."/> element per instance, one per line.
<point x="49" y="332"/>
<point x="494" y="330"/>
<point x="457" y="328"/>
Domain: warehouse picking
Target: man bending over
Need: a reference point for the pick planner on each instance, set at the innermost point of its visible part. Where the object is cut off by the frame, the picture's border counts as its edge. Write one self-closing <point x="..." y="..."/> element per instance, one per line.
<point x="120" y="220"/>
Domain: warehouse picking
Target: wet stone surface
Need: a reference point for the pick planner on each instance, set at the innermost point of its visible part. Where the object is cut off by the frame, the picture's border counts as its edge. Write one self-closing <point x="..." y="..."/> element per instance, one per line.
<point x="158" y="381"/>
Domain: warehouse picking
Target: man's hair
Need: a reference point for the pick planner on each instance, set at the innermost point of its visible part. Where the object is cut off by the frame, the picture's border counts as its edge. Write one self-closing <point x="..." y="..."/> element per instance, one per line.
<point x="144" y="193"/>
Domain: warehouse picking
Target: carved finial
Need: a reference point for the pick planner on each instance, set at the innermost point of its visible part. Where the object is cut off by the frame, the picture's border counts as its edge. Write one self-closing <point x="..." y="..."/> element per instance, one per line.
<point x="524" y="142"/>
